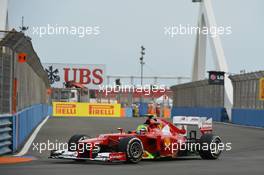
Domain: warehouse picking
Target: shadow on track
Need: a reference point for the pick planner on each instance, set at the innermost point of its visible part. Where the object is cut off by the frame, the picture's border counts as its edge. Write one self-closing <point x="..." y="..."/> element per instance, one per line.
<point x="163" y="160"/>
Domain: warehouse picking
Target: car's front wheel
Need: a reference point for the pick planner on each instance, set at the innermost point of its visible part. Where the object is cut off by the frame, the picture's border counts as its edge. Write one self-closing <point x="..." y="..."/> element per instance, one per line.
<point x="74" y="140"/>
<point x="133" y="148"/>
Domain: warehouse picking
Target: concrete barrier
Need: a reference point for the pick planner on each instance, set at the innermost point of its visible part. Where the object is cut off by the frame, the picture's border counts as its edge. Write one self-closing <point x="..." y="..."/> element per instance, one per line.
<point x="15" y="129"/>
<point x="217" y="114"/>
<point x="27" y="120"/>
<point x="249" y="117"/>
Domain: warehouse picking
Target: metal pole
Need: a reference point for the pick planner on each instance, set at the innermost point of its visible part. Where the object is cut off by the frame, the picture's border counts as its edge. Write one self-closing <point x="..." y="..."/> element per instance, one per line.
<point x="12" y="72"/>
<point x="142" y="64"/>
<point x="141" y="77"/>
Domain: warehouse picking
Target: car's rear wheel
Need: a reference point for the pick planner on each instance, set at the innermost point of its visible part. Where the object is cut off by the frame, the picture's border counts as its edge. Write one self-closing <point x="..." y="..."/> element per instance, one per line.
<point x="210" y="146"/>
<point x="133" y="148"/>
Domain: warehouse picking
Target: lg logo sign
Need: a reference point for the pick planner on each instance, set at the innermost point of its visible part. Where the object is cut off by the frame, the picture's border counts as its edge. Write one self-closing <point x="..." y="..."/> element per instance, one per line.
<point x="216" y="78"/>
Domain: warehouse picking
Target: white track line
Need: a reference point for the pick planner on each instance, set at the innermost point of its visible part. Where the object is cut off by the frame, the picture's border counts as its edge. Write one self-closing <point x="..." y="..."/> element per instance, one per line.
<point x="26" y="147"/>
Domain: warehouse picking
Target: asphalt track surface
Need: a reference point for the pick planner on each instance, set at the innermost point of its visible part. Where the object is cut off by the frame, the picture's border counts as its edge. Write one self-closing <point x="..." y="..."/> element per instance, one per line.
<point x="246" y="156"/>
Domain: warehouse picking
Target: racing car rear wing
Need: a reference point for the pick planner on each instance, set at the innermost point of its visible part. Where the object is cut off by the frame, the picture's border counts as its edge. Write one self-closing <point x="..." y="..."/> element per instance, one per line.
<point x="204" y="124"/>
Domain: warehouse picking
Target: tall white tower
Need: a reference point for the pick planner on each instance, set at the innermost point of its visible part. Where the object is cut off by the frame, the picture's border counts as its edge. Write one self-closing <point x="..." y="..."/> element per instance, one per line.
<point x="3" y="15"/>
<point x="207" y="19"/>
<point x="3" y="19"/>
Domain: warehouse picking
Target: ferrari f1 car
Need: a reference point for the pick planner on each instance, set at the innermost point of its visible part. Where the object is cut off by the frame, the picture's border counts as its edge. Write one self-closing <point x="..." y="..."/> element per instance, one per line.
<point x="154" y="139"/>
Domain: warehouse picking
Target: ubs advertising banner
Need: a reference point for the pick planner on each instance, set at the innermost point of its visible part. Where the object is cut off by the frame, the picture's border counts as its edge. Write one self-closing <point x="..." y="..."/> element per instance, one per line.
<point x="73" y="109"/>
<point x="89" y="75"/>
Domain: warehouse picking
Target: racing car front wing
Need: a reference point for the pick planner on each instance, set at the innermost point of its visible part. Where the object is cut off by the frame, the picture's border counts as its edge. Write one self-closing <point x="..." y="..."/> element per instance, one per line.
<point x="73" y="155"/>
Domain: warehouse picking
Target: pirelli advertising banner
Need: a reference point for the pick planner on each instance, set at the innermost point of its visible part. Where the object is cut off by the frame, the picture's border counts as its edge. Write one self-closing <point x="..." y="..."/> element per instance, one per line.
<point x="261" y="89"/>
<point x="76" y="109"/>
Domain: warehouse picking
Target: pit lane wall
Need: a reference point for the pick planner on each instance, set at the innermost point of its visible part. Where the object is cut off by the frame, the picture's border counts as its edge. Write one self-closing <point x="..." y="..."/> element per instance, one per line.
<point x="24" y="101"/>
<point x="217" y="114"/>
<point x="201" y="99"/>
<point x="248" y="106"/>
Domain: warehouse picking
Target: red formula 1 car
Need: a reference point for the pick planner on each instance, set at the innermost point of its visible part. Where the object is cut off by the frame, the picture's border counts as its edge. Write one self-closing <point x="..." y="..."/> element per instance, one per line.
<point x="154" y="139"/>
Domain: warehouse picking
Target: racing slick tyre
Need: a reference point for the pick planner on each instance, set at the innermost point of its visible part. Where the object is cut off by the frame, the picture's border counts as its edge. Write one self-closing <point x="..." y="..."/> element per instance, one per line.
<point x="133" y="148"/>
<point x="73" y="142"/>
<point x="210" y="142"/>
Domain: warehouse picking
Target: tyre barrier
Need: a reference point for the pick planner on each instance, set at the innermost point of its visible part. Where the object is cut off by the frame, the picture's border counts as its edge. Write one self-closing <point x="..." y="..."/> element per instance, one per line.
<point x="16" y="128"/>
<point x="6" y="133"/>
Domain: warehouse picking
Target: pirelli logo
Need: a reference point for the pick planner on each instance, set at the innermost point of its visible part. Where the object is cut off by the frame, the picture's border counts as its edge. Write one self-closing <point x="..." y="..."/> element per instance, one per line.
<point x="101" y="110"/>
<point x="66" y="109"/>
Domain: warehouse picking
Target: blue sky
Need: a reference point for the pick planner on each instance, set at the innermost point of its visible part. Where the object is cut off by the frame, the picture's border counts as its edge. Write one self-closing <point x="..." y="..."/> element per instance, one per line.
<point x="127" y="24"/>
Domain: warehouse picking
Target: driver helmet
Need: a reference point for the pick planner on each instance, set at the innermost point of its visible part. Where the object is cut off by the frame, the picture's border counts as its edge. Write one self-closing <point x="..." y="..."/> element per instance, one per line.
<point x="141" y="128"/>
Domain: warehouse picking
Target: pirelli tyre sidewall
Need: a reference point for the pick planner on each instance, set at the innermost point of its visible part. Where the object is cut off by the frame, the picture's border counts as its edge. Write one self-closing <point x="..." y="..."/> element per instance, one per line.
<point x="213" y="140"/>
<point x="133" y="148"/>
